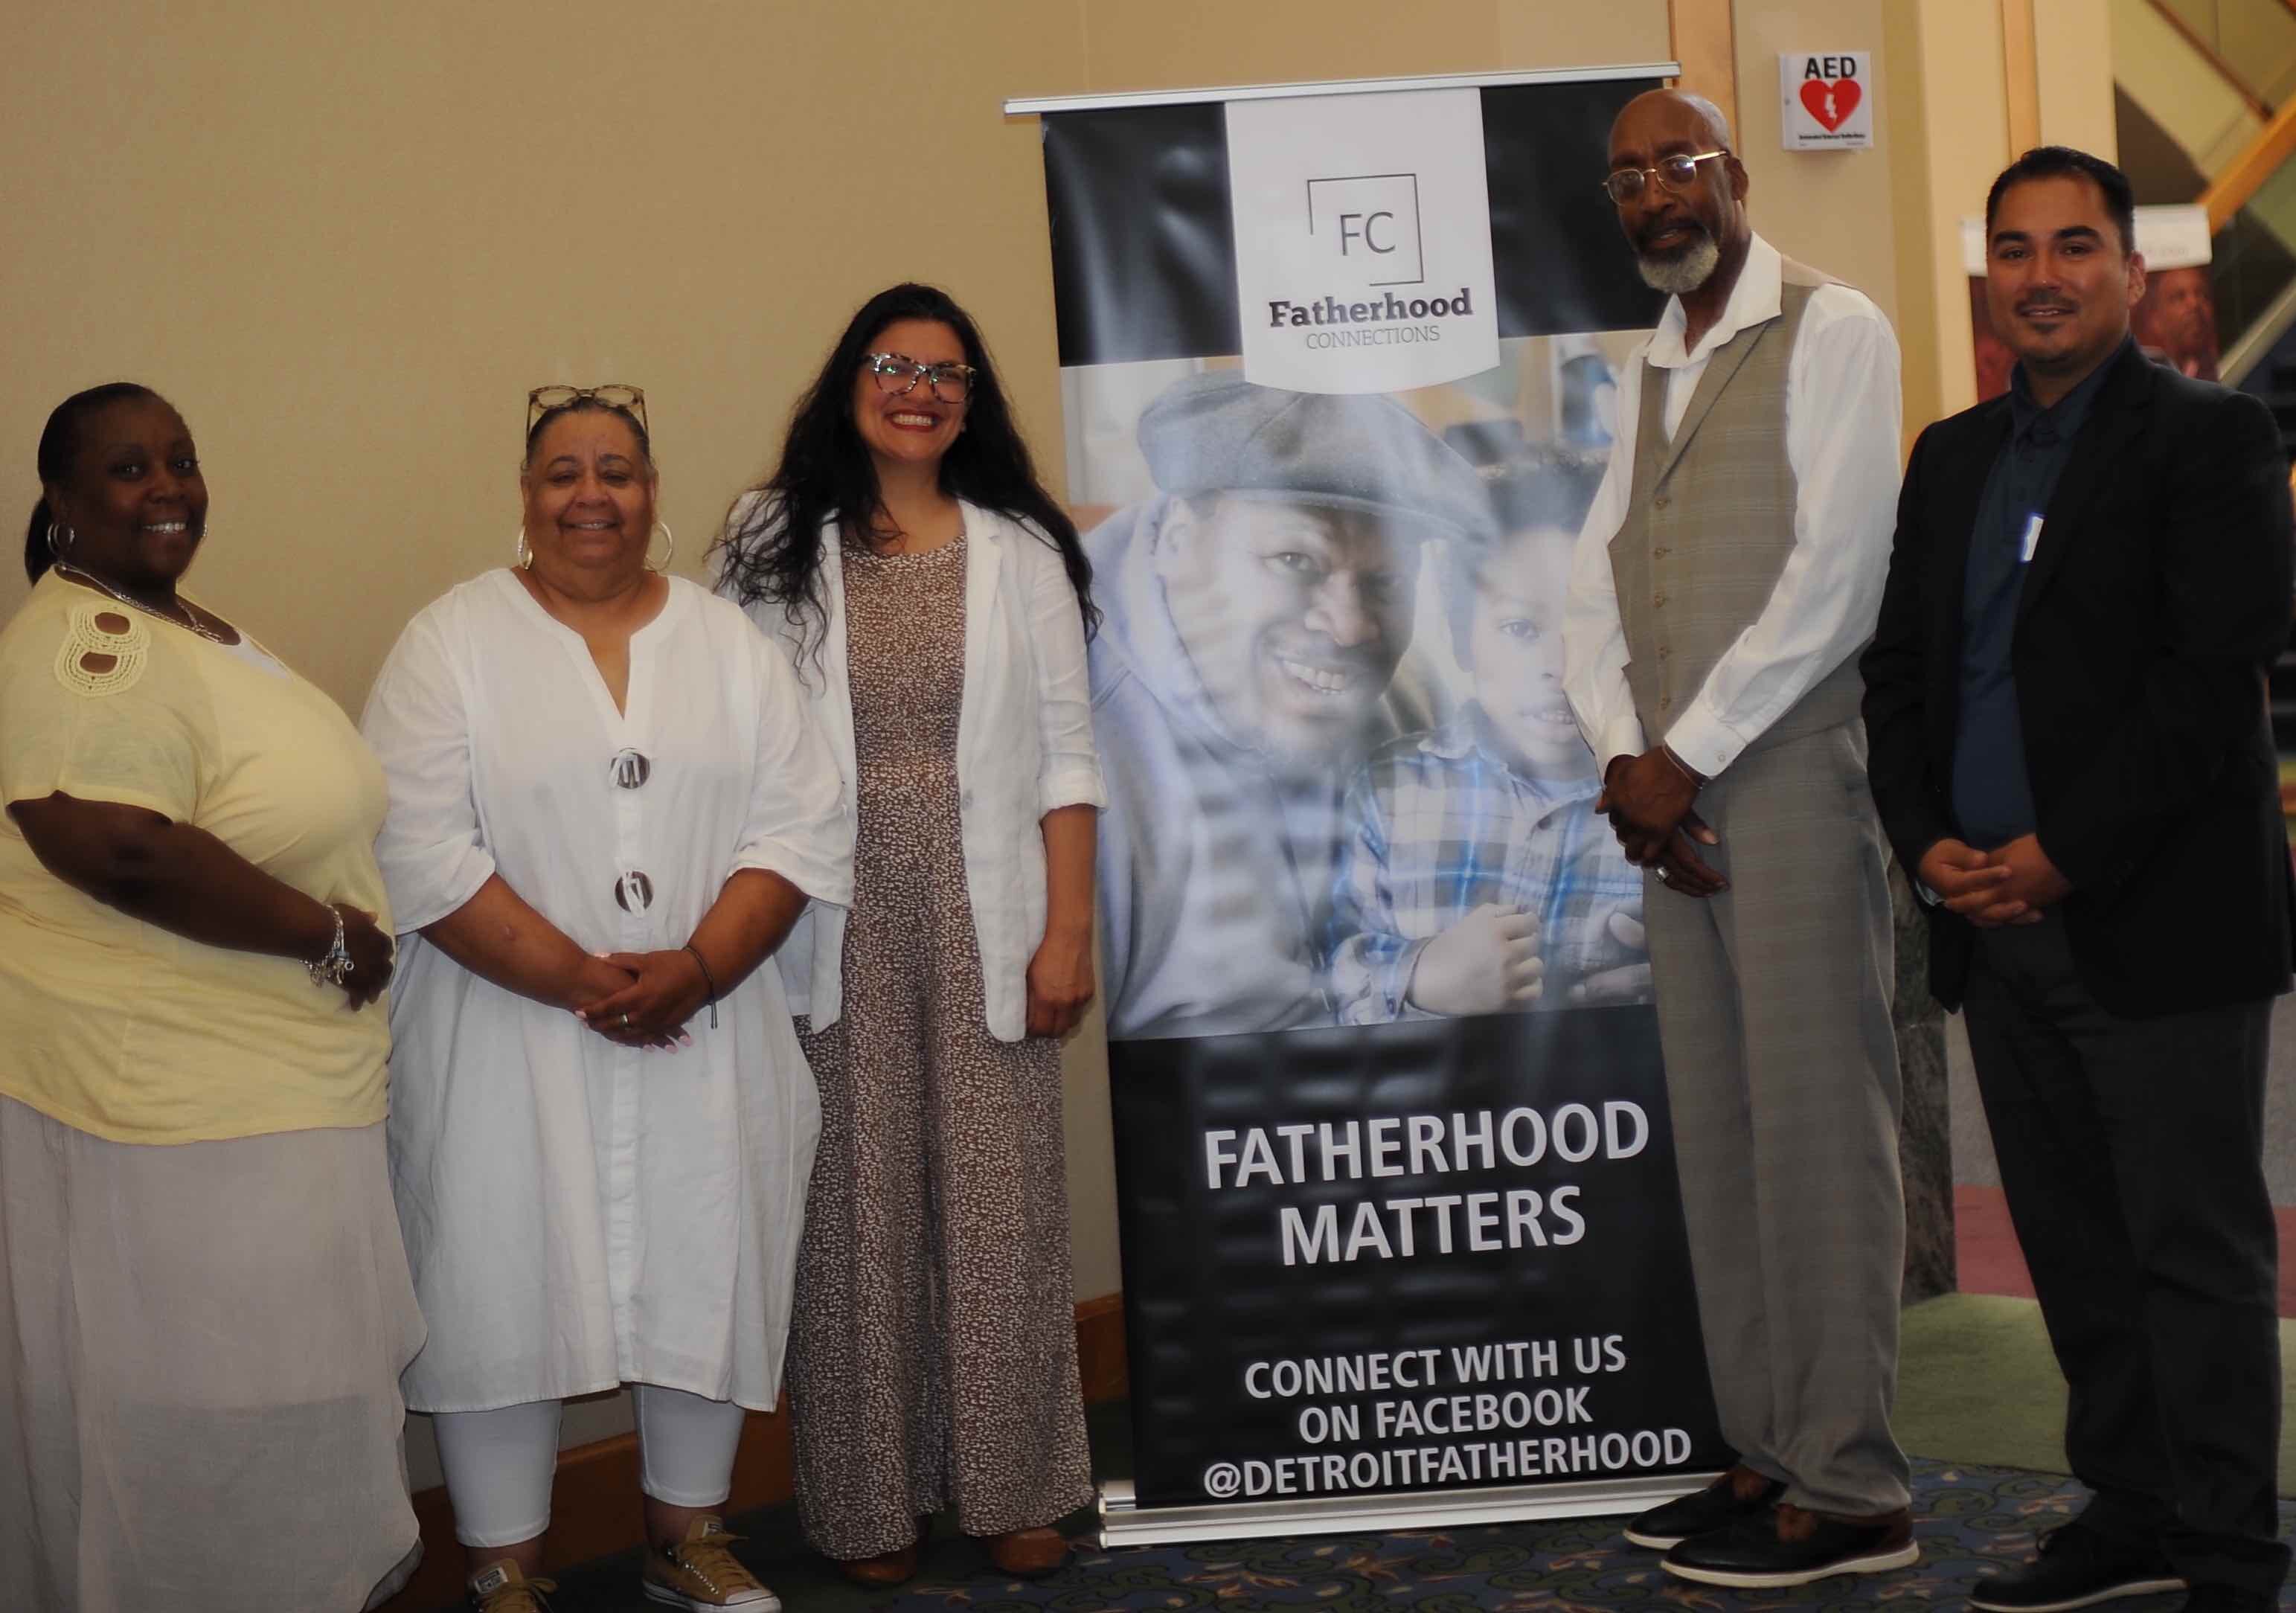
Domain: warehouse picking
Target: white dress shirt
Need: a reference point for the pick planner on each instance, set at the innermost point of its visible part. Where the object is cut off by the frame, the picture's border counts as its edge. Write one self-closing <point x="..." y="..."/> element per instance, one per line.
<point x="1843" y="419"/>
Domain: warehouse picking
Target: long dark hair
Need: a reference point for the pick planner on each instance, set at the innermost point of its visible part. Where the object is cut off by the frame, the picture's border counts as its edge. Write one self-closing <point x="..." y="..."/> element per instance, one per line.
<point x="771" y="550"/>
<point x="60" y="445"/>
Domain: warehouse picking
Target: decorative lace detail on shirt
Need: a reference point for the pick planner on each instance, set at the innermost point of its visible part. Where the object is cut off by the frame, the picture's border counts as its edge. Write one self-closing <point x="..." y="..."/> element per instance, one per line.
<point x="96" y="660"/>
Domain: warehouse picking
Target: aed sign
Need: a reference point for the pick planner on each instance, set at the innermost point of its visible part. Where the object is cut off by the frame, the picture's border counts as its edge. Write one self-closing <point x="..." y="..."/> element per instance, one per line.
<point x="1825" y="100"/>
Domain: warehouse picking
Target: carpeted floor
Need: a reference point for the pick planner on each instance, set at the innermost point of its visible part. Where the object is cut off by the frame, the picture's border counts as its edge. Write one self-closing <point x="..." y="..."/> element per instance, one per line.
<point x="1976" y="1383"/>
<point x="1978" y="1402"/>
<point x="1974" y="1523"/>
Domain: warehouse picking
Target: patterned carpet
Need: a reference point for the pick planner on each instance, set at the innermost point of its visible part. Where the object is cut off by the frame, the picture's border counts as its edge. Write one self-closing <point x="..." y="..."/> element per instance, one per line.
<point x="1973" y="1522"/>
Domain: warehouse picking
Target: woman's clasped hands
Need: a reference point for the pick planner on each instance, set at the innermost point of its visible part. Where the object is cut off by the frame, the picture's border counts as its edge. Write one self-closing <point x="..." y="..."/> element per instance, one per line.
<point x="642" y="998"/>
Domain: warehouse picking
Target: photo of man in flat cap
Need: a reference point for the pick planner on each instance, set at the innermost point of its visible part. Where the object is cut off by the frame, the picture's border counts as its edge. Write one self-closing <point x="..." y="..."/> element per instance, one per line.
<point x="1258" y="607"/>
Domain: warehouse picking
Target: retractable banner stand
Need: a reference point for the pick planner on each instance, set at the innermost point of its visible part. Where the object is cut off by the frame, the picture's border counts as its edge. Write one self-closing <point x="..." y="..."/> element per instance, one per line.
<point x="1402" y="1241"/>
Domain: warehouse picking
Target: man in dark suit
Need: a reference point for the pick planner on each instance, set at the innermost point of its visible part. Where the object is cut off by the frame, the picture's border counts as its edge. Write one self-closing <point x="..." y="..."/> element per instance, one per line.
<point x="2065" y="699"/>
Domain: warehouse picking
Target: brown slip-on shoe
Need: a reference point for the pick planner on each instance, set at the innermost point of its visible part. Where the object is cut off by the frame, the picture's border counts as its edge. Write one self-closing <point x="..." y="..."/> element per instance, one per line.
<point x="1028" y="1553"/>
<point x="886" y="1569"/>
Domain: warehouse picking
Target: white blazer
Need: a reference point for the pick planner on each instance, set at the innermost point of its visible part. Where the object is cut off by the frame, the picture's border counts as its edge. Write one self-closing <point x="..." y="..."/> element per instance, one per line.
<point x="1023" y="748"/>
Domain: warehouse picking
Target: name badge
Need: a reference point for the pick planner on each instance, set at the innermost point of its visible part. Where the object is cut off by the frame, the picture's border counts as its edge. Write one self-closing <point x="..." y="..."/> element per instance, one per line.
<point x="2031" y="540"/>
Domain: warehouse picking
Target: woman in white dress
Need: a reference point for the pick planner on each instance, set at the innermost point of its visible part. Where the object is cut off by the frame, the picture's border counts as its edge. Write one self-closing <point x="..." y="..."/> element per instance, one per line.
<point x="608" y="805"/>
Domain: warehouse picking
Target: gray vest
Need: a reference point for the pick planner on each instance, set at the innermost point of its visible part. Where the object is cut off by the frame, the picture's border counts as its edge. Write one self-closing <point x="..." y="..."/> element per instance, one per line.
<point x="1709" y="523"/>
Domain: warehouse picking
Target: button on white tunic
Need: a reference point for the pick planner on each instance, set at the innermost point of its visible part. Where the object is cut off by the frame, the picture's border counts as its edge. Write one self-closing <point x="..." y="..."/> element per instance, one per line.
<point x="579" y="1215"/>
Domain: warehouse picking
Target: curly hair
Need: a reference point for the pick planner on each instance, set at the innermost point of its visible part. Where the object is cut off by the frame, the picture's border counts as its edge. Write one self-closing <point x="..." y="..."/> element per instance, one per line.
<point x="771" y="548"/>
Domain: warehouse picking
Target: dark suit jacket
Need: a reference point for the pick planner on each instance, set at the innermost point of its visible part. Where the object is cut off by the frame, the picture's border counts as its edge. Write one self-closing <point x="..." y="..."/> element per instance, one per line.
<point x="2150" y="612"/>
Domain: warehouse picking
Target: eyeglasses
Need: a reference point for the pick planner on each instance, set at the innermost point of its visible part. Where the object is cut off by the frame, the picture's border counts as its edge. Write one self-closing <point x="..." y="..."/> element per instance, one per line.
<point x="898" y="375"/>
<point x="542" y="399"/>
<point x="1675" y="173"/>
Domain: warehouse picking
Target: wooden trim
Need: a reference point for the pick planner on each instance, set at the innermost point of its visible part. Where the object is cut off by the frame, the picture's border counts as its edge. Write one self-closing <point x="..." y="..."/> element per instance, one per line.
<point x="2021" y="76"/>
<point x="2246" y="174"/>
<point x="1705" y="38"/>
<point x="2208" y="53"/>
<point x="1101" y="1364"/>
<point x="595" y="1507"/>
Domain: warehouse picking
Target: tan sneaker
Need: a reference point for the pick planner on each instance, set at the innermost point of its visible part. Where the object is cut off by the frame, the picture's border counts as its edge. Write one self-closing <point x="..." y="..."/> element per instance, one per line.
<point x="701" y="1572"/>
<point x="500" y="1588"/>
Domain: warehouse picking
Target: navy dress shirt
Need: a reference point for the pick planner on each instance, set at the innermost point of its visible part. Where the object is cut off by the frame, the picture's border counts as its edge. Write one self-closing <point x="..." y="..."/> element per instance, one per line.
<point x="1992" y="797"/>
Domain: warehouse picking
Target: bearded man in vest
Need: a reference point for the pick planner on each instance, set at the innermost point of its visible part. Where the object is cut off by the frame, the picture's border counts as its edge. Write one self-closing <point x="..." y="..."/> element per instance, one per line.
<point x="1727" y="577"/>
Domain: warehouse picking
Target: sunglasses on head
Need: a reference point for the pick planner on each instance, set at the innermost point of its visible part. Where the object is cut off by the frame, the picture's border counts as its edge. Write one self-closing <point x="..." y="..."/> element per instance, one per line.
<point x="542" y="399"/>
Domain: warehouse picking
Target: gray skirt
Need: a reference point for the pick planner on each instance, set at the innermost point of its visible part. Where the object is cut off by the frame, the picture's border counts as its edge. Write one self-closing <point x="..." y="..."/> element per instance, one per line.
<point x="200" y="1352"/>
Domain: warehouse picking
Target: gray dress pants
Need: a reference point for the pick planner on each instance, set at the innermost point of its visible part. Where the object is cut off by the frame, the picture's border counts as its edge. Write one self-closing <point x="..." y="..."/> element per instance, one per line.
<point x="1782" y="1072"/>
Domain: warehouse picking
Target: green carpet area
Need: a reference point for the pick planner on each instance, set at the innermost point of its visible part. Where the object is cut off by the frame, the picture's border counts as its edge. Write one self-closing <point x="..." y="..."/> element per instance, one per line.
<point x="1976" y="1383"/>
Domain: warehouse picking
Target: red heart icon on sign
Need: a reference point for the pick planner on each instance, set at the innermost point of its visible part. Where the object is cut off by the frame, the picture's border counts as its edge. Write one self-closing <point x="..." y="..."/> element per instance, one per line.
<point x="1830" y="101"/>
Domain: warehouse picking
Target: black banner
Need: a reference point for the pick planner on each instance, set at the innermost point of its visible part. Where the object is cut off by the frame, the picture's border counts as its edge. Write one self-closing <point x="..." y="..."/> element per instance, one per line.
<point x="1143" y="243"/>
<point x="1420" y="1255"/>
<point x="1396" y="1179"/>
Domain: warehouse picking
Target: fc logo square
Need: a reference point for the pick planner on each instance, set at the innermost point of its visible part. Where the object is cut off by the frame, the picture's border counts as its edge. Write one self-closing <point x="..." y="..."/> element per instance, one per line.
<point x="1369" y="223"/>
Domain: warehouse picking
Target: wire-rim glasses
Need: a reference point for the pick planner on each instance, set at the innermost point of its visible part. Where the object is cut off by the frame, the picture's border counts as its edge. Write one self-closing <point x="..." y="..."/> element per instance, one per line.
<point x="1676" y="173"/>
<point x="898" y="375"/>
<point x="542" y="399"/>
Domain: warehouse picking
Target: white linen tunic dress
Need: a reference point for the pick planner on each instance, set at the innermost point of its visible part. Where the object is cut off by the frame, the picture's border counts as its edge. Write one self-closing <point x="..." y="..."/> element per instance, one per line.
<point x="580" y="1215"/>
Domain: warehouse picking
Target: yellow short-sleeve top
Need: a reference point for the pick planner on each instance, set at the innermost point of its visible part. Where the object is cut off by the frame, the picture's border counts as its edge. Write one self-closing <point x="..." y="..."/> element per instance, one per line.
<point x="128" y="1031"/>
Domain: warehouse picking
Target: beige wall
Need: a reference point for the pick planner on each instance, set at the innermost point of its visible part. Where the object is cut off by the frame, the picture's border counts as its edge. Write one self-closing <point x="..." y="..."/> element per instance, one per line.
<point x="346" y="243"/>
<point x="1829" y="209"/>
<point x="1949" y="137"/>
<point x="2074" y="70"/>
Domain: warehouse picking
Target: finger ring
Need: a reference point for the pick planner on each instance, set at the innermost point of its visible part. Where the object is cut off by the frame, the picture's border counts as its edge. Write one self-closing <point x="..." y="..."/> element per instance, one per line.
<point x="626" y="1021"/>
<point x="1665" y="877"/>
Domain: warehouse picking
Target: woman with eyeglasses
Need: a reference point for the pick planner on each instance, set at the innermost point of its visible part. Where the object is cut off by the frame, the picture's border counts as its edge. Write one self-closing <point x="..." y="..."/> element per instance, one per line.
<point x="609" y="801"/>
<point x="935" y="600"/>
<point x="204" y="1306"/>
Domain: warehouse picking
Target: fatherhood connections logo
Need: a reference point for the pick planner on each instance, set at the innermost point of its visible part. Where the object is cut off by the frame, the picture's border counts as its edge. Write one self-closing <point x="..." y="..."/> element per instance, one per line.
<point x="1363" y="239"/>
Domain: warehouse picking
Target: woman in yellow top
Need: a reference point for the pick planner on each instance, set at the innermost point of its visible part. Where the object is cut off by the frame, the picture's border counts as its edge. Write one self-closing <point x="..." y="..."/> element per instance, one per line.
<point x="204" y="1304"/>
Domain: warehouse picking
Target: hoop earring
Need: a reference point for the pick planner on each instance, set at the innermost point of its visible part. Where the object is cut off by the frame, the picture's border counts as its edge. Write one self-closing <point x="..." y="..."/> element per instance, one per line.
<point x="522" y="553"/>
<point x="668" y="553"/>
<point x="57" y="550"/>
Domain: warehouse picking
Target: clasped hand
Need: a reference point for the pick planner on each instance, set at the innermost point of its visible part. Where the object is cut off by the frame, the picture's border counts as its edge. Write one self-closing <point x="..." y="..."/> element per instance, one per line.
<point x="371" y="954"/>
<point x="1486" y="963"/>
<point x="2010" y="884"/>
<point x="1647" y="798"/>
<point x="641" y="999"/>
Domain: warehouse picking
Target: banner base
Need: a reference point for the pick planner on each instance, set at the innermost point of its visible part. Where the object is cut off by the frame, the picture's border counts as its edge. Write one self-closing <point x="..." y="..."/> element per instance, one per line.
<point x="1124" y="1522"/>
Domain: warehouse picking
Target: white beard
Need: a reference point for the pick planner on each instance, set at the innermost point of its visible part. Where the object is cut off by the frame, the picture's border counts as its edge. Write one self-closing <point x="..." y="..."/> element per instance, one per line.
<point x="1678" y="276"/>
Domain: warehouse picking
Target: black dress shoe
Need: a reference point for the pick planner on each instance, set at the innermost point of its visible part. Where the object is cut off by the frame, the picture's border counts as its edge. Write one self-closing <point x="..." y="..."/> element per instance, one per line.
<point x="2226" y="1598"/>
<point x="1740" y="1493"/>
<point x="1792" y="1547"/>
<point x="2077" y="1567"/>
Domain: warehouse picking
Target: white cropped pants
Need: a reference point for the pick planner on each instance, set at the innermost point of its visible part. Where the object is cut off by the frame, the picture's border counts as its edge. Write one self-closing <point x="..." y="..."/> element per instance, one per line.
<point x="500" y="1464"/>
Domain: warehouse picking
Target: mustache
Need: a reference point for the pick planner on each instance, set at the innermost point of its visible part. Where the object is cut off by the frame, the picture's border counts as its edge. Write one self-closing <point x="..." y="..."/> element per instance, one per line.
<point x="1644" y="236"/>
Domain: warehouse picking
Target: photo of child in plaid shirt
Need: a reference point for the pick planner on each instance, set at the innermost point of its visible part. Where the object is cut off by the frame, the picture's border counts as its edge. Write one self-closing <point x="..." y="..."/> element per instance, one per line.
<point x="1473" y="874"/>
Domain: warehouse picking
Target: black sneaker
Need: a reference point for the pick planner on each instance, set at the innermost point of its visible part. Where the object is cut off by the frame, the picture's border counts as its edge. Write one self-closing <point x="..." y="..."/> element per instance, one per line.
<point x="1793" y="1547"/>
<point x="2076" y="1568"/>
<point x="1702" y="1511"/>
